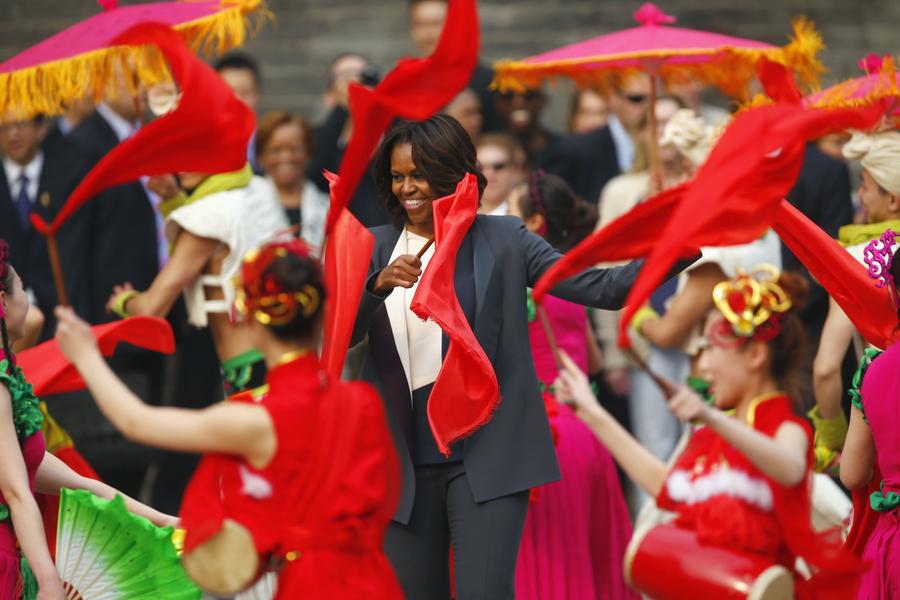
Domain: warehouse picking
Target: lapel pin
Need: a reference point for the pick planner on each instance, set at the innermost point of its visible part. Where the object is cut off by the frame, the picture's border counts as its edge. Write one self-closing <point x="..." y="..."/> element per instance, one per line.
<point x="45" y="200"/>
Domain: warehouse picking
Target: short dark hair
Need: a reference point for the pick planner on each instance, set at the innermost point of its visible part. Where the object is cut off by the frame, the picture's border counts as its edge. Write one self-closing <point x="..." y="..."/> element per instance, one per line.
<point x="442" y="152"/>
<point x="568" y="218"/>
<point x="278" y="118"/>
<point x="240" y="61"/>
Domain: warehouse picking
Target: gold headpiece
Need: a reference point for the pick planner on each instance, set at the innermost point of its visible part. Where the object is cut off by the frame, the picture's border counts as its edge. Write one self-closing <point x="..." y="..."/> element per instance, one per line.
<point x="752" y="303"/>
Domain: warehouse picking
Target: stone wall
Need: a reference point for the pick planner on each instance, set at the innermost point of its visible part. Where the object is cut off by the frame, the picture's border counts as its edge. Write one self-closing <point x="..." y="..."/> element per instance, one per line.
<point x="296" y="49"/>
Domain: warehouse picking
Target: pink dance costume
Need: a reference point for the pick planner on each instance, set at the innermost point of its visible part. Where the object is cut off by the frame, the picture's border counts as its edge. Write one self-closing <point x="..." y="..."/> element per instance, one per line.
<point x="577" y="529"/>
<point x="27" y="419"/>
<point x="880" y="389"/>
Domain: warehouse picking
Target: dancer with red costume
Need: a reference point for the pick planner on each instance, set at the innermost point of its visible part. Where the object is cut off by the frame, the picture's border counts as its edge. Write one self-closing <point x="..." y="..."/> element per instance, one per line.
<point x="740" y="490"/>
<point x="303" y="477"/>
<point x="25" y="465"/>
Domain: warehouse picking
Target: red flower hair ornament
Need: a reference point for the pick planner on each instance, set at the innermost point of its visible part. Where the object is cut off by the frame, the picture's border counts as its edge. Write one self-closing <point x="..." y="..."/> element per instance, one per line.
<point x="751" y="306"/>
<point x="264" y="296"/>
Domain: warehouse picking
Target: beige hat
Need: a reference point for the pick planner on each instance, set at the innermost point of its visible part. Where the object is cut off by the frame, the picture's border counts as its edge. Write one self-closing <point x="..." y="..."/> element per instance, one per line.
<point x="879" y="154"/>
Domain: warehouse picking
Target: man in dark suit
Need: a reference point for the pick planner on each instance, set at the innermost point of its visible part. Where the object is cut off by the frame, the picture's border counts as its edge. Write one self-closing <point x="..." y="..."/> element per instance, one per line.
<point x="125" y="246"/>
<point x="126" y="242"/>
<point x="333" y="134"/>
<point x="585" y="161"/>
<point x="39" y="180"/>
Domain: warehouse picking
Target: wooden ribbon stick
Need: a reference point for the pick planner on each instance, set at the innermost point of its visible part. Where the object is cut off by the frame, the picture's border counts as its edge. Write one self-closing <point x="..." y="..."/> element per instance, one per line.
<point x="425" y="248"/>
<point x="53" y="249"/>
<point x="667" y="388"/>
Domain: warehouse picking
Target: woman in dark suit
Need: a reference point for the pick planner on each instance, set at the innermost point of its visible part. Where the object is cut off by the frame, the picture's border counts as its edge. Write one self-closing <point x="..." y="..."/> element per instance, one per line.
<point x="476" y="499"/>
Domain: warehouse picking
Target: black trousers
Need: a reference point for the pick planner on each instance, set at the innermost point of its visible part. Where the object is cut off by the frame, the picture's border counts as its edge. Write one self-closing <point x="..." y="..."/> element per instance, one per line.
<point x="485" y="537"/>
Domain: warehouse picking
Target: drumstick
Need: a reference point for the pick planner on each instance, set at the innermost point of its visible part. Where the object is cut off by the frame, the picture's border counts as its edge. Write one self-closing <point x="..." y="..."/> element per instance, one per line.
<point x="667" y="388"/>
<point x="548" y="333"/>
<point x="425" y="248"/>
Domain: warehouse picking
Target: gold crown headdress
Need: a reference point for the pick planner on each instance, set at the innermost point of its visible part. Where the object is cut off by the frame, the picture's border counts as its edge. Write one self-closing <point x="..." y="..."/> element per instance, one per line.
<point x="752" y="304"/>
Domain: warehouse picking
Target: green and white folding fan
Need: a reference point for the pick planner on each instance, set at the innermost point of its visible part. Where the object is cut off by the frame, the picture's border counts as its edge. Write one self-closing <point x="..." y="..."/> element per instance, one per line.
<point x="103" y="552"/>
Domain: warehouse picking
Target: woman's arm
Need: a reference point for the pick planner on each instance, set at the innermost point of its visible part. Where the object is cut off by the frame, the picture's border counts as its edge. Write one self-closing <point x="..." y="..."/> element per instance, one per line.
<point x="189" y="257"/>
<point x="599" y="288"/>
<point x="783" y="457"/>
<point x="647" y="471"/>
<point x="688" y="308"/>
<point x="858" y="457"/>
<point x="23" y="510"/>
<point x="232" y="428"/>
<point x="837" y="333"/>
<point x="54" y="474"/>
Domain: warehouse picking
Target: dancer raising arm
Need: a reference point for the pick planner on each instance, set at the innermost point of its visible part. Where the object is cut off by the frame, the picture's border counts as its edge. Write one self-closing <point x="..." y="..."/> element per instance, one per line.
<point x="25" y="465"/>
<point x="304" y="474"/>
<point x="741" y="486"/>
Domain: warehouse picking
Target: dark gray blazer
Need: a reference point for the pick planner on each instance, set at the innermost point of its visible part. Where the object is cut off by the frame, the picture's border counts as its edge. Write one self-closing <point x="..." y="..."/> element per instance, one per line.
<point x="514" y="451"/>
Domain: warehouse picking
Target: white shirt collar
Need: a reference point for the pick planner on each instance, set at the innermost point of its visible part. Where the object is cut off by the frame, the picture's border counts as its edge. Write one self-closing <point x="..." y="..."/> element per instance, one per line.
<point x="120" y="126"/>
<point x="32" y="171"/>
<point x="623" y="142"/>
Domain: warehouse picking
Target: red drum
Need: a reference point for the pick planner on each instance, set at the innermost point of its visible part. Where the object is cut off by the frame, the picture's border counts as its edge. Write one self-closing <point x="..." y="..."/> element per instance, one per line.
<point x="668" y="563"/>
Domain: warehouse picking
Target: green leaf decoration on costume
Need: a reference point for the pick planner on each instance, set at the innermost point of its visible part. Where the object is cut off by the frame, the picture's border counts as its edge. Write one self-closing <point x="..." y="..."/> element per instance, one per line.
<point x="102" y="550"/>
<point x="869" y="354"/>
<point x="27" y="416"/>
<point x="882" y="502"/>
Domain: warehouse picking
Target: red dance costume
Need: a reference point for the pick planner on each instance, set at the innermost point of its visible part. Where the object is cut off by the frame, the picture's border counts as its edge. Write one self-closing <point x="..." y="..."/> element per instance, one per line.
<point x="323" y="502"/>
<point x="731" y="516"/>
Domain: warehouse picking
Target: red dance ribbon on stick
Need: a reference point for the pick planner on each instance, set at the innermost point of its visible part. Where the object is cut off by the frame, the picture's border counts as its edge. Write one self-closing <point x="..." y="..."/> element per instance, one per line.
<point x="415" y="89"/>
<point x="348" y="253"/>
<point x="733" y="198"/>
<point x="49" y="371"/>
<point x="208" y="116"/>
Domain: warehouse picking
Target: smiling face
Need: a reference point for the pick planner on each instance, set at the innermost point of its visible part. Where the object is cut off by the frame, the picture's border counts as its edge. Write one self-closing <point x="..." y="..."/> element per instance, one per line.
<point x="879" y="204"/>
<point x="284" y="157"/>
<point x="411" y="189"/>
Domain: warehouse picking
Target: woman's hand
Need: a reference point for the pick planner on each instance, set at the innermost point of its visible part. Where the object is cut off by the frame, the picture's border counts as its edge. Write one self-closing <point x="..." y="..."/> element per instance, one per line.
<point x="51" y="589"/>
<point x="573" y="388"/>
<point x="117" y="290"/>
<point x="687" y="405"/>
<point x="164" y="186"/>
<point x="74" y="336"/>
<point x="403" y="272"/>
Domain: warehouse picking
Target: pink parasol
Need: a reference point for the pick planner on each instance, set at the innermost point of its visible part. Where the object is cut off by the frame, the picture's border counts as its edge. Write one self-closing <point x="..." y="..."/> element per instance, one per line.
<point x="83" y="59"/>
<point x="881" y="81"/>
<point x="672" y="53"/>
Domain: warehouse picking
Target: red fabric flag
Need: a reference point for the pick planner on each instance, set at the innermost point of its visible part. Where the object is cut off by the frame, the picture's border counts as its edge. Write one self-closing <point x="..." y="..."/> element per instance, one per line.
<point x="868" y="307"/>
<point x="415" y="89"/>
<point x="734" y="196"/>
<point x="49" y="371"/>
<point x="466" y="391"/>
<point x="347" y="257"/>
<point x="208" y="116"/>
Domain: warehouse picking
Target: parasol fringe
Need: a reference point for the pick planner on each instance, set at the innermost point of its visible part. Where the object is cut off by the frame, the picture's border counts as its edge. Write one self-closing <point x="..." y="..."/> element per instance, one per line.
<point x="842" y="94"/>
<point x="48" y="88"/>
<point x="730" y="70"/>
